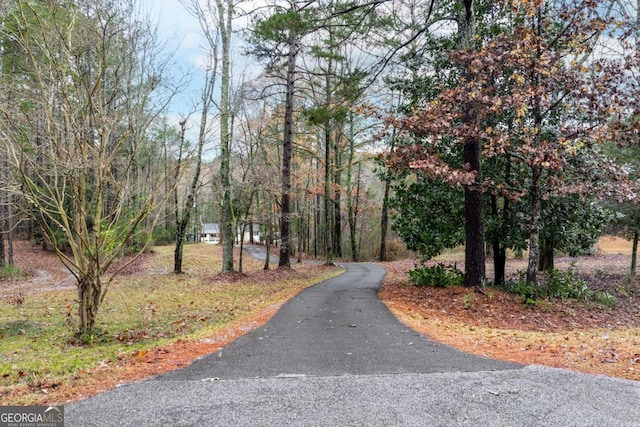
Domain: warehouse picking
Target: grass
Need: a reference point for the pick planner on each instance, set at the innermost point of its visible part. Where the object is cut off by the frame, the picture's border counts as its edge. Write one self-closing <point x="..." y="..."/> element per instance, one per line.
<point x="141" y="312"/>
<point x="10" y="272"/>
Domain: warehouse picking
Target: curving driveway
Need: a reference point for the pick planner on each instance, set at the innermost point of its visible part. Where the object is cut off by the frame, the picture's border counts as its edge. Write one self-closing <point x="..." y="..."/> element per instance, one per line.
<point x="335" y="356"/>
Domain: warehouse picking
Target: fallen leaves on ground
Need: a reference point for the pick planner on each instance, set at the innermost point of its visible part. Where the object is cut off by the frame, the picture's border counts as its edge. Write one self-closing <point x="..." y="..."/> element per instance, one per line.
<point x="135" y="364"/>
<point x="581" y="336"/>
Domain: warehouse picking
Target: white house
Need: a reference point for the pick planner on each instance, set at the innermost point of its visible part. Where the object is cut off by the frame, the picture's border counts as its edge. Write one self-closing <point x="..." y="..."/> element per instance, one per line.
<point x="210" y="233"/>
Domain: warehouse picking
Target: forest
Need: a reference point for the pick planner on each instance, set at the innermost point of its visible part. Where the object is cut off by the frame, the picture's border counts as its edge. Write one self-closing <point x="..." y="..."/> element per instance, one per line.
<point x="372" y="130"/>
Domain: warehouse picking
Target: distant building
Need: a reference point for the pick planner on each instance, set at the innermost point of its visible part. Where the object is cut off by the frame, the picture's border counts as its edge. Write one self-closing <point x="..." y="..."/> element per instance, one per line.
<point x="210" y="233"/>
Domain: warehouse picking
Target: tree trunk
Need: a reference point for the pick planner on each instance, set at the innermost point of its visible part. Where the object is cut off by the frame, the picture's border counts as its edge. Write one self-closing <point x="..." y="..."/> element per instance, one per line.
<point x="384" y="221"/>
<point x="287" y="151"/>
<point x="3" y="260"/>
<point x="498" y="249"/>
<point x="353" y="219"/>
<point x="634" y="253"/>
<point x="546" y="255"/>
<point x="89" y="297"/>
<point x="352" y="211"/>
<point x="317" y="218"/>
<point x="177" y="253"/>
<point x="267" y="243"/>
<point x="241" y="247"/>
<point x="9" y="235"/>
<point x="337" y="199"/>
<point x="10" y="259"/>
<point x="225" y="136"/>
<point x="499" y="263"/>
<point x="473" y="197"/>
<point x="3" y="223"/>
<point x="474" y="225"/>
<point x="534" y="229"/>
<point x="384" y="216"/>
<point x="327" y="235"/>
<point x="182" y="221"/>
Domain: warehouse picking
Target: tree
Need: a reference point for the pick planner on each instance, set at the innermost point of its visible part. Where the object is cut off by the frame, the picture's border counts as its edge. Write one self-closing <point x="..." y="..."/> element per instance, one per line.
<point x="88" y="72"/>
<point x="225" y="14"/>
<point x="474" y="260"/>
<point x="278" y="38"/>
<point x="183" y="217"/>
<point x="551" y="123"/>
<point x="453" y="116"/>
<point x="627" y="220"/>
<point x="430" y="217"/>
<point x="216" y="21"/>
<point x="525" y="98"/>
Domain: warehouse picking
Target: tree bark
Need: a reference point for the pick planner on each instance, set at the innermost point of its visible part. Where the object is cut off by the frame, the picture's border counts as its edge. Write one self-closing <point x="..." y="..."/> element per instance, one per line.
<point x="634" y="253"/>
<point x="3" y="221"/>
<point x="498" y="249"/>
<point x="327" y="235"/>
<point x="352" y="211"/>
<point x="474" y="224"/>
<point x="534" y="228"/>
<point x="384" y="221"/>
<point x="547" y="255"/>
<point x="228" y="235"/>
<point x="473" y="197"/>
<point x="384" y="216"/>
<point x="182" y="222"/>
<point x="287" y="151"/>
<point x="352" y="208"/>
<point x="337" y="199"/>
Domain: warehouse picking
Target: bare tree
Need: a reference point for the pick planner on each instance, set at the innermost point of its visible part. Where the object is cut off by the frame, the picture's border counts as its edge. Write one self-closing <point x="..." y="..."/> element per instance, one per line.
<point x="215" y="18"/>
<point x="88" y="73"/>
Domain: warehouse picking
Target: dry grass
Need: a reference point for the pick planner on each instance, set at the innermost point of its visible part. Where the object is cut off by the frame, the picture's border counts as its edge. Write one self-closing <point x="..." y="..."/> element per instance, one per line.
<point x="151" y="321"/>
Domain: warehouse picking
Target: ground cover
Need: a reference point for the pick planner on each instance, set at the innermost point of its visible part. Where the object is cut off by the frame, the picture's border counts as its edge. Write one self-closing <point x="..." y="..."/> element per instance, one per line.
<point x="584" y="336"/>
<point x="152" y="321"/>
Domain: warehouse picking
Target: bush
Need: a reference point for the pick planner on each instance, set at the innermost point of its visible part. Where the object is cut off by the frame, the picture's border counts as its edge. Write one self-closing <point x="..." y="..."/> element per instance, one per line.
<point x="565" y="284"/>
<point x="558" y="285"/>
<point x="439" y="276"/>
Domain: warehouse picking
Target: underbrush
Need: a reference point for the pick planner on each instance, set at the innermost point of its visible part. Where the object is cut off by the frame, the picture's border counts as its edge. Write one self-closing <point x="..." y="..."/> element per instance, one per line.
<point x="557" y="285"/>
<point x="439" y="276"/>
<point x="552" y="285"/>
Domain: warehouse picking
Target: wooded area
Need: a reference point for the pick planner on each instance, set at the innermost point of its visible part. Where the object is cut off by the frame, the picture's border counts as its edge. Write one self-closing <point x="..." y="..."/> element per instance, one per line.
<point x="502" y="125"/>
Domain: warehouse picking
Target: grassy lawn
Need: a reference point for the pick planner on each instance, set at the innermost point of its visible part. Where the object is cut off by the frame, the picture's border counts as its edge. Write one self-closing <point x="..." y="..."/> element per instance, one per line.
<point x="150" y="310"/>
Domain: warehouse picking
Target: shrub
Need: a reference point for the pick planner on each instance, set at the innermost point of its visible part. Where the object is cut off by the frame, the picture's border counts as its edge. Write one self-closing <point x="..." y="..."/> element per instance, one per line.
<point x="558" y="285"/>
<point x="439" y="276"/>
<point x="606" y="299"/>
<point x="565" y="284"/>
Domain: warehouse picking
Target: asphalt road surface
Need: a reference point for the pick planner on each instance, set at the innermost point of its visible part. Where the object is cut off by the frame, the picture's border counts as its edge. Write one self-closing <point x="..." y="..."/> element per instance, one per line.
<point x="335" y="356"/>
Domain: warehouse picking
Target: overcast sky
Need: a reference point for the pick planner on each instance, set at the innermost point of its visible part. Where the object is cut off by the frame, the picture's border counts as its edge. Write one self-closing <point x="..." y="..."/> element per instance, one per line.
<point x="182" y="33"/>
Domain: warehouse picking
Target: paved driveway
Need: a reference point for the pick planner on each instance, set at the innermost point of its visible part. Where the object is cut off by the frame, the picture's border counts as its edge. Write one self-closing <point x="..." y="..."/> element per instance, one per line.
<point x="334" y="355"/>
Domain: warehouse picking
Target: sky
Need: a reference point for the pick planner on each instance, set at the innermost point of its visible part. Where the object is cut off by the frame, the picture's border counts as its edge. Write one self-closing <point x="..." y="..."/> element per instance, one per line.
<point x="183" y="35"/>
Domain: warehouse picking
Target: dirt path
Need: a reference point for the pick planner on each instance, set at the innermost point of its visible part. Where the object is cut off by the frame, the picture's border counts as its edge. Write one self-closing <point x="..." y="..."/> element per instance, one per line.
<point x="42" y="271"/>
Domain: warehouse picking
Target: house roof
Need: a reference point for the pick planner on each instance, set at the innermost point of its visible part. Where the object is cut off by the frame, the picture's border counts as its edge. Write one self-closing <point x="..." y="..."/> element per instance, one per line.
<point x="210" y="228"/>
